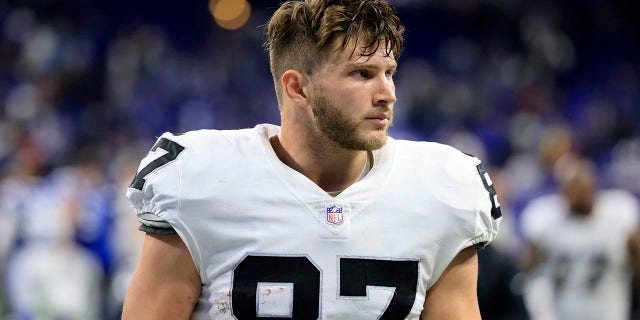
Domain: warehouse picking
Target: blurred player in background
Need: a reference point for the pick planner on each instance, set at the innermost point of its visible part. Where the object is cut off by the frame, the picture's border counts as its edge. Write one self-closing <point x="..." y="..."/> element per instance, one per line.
<point x="324" y="216"/>
<point x="583" y="246"/>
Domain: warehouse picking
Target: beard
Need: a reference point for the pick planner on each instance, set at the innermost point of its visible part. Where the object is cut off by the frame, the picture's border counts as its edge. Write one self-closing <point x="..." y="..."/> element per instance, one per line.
<point x="337" y="127"/>
<point x="582" y="208"/>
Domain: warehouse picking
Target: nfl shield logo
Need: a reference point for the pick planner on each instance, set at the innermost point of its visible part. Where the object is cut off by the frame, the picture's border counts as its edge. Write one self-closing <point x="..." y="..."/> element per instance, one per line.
<point x="334" y="215"/>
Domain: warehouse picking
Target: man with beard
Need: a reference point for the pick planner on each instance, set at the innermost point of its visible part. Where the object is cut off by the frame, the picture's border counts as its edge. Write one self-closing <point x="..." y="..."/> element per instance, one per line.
<point x="324" y="216"/>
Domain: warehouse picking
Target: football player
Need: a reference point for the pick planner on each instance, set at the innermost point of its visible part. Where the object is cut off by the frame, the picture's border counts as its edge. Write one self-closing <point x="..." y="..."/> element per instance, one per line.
<point x="323" y="216"/>
<point x="583" y="246"/>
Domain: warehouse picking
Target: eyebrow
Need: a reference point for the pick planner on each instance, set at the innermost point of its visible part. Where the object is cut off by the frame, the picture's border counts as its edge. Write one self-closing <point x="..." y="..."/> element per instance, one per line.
<point x="366" y="64"/>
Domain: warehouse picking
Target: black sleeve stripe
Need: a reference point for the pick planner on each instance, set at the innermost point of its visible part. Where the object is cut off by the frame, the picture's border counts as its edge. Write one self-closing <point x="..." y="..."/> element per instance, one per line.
<point x="493" y="197"/>
<point x="156" y="230"/>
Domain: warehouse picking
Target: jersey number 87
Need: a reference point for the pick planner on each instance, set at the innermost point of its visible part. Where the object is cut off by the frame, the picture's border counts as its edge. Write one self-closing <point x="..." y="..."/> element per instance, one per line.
<point x="355" y="274"/>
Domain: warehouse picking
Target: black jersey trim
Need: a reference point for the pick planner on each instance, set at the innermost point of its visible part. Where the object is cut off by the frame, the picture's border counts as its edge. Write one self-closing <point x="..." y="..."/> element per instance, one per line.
<point x="156" y="230"/>
<point x="495" y="208"/>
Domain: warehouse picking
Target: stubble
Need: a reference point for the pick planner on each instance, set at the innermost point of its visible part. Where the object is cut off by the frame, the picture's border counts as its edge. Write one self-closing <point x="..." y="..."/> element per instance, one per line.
<point x="337" y="127"/>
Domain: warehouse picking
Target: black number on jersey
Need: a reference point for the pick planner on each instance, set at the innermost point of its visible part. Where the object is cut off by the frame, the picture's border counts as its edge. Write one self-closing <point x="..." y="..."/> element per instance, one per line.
<point x="172" y="148"/>
<point x="561" y="271"/>
<point x="297" y="270"/>
<point x="355" y="275"/>
<point x="599" y="264"/>
<point x="563" y="265"/>
<point x="493" y="197"/>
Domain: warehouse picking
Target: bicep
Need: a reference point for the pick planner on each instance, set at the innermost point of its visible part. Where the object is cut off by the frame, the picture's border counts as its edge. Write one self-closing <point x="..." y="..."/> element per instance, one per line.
<point x="633" y="248"/>
<point x="165" y="283"/>
<point x="454" y="295"/>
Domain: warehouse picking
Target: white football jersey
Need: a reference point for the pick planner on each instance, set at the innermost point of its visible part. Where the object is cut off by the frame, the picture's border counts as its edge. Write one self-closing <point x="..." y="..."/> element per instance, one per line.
<point x="270" y="243"/>
<point x="587" y="259"/>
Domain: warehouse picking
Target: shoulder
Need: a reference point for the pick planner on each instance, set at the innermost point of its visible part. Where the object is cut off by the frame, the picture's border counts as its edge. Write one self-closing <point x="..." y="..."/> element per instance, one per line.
<point x="443" y="169"/>
<point x="209" y="138"/>
<point x="540" y="213"/>
<point x="178" y="160"/>
<point x="552" y="204"/>
<point x="457" y="180"/>
<point x="619" y="198"/>
<point x="170" y="150"/>
<point x="620" y="205"/>
<point x="453" y="177"/>
<point x="438" y="158"/>
<point x="206" y="147"/>
<point x="429" y="148"/>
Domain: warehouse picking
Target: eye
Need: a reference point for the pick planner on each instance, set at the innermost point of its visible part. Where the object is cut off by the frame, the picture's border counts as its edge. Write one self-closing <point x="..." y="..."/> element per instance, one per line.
<point x="362" y="74"/>
<point x="390" y="73"/>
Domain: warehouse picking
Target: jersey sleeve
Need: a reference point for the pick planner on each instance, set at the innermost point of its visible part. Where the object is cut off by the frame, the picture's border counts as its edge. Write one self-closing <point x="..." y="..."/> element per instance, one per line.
<point x="154" y="192"/>
<point x="489" y="214"/>
<point x="461" y="182"/>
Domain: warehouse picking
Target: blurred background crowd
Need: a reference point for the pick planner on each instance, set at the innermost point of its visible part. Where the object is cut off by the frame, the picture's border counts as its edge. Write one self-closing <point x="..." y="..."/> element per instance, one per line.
<point x="86" y="86"/>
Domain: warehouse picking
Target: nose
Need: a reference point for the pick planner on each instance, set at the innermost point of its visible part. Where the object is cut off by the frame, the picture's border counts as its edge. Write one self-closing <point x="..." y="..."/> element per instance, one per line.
<point x="385" y="94"/>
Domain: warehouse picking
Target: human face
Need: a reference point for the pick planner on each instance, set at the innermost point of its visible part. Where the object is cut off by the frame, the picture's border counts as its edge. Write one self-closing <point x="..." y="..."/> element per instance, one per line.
<point x="352" y="99"/>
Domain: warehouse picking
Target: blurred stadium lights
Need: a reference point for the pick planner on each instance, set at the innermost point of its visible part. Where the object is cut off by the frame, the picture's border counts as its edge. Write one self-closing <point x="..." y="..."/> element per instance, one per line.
<point x="234" y="14"/>
<point x="230" y="14"/>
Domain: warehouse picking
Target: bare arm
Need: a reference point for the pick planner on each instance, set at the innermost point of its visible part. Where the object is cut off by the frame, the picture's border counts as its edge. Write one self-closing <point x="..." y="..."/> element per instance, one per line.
<point x="633" y="247"/>
<point x="165" y="284"/>
<point x="532" y="258"/>
<point x="455" y="295"/>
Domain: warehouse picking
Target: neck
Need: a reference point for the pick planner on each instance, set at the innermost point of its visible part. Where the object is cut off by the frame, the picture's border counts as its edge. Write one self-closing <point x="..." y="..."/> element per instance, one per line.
<point x="329" y="166"/>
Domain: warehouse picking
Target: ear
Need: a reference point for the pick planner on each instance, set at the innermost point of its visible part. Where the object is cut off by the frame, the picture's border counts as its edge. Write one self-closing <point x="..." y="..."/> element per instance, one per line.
<point x="294" y="86"/>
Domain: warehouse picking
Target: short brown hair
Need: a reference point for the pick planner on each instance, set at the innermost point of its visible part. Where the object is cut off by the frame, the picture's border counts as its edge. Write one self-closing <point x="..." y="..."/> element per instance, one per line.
<point x="302" y="33"/>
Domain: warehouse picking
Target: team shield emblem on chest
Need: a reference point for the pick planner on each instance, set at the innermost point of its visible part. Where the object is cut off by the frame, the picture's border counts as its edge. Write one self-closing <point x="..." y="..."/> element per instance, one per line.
<point x="334" y="215"/>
